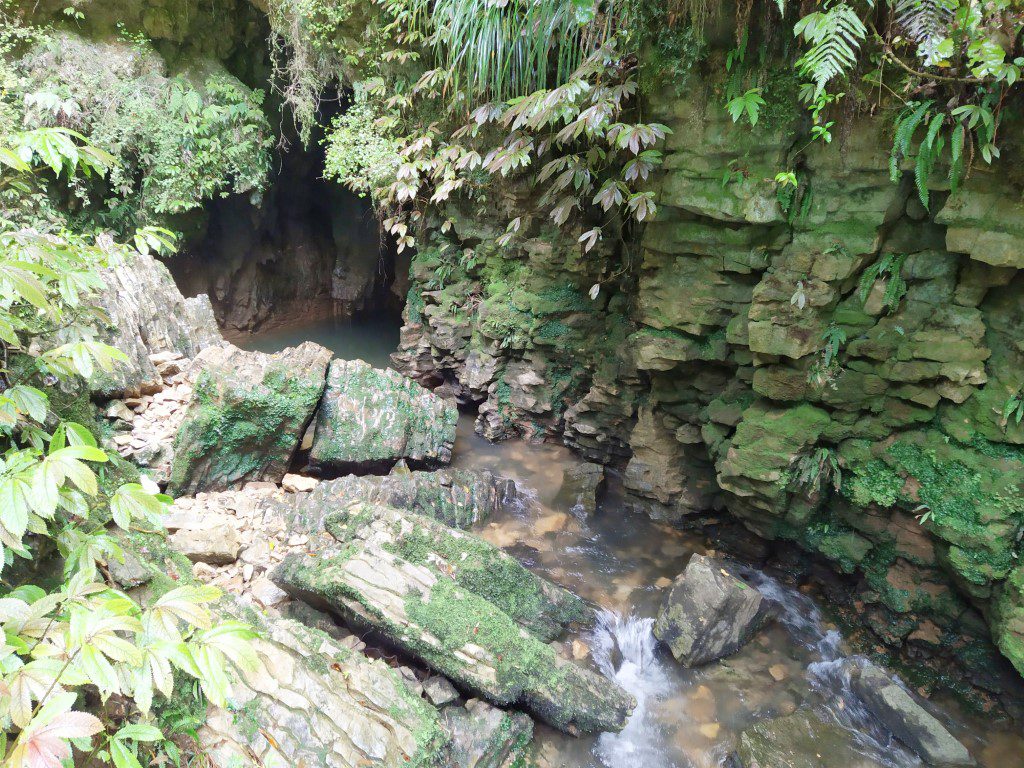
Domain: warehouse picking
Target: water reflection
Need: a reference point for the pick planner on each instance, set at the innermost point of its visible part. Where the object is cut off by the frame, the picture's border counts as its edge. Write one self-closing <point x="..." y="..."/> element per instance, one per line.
<point x="370" y="338"/>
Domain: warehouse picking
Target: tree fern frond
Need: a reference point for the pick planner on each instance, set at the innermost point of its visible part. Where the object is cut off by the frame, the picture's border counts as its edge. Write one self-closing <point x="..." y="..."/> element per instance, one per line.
<point x="925" y="21"/>
<point x="835" y="36"/>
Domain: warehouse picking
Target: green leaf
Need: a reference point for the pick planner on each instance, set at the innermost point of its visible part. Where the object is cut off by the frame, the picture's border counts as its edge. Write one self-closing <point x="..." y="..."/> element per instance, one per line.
<point x="122" y="756"/>
<point x="139" y="732"/>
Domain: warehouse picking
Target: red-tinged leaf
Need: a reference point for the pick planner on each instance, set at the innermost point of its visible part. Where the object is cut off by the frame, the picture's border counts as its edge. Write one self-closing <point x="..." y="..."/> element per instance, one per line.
<point x="47" y="746"/>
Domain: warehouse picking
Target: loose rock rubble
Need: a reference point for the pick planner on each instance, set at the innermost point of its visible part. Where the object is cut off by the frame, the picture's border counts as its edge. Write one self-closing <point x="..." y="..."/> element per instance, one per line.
<point x="258" y="527"/>
<point x="145" y="426"/>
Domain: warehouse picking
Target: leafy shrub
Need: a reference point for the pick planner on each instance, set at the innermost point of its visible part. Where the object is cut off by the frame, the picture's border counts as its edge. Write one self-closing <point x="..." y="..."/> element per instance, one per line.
<point x="361" y="152"/>
<point x="81" y="636"/>
<point x="179" y="140"/>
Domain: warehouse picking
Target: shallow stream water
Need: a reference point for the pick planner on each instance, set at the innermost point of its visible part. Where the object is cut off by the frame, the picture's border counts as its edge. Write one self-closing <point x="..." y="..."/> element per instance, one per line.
<point x="622" y="563"/>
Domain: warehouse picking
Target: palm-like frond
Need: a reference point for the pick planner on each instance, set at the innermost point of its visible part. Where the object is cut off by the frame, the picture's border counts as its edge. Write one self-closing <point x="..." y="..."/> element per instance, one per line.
<point x="501" y="49"/>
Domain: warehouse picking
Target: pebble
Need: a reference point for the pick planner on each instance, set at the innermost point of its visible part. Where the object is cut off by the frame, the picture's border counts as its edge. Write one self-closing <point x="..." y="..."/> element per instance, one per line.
<point x="710" y="730"/>
<point x="778" y="672"/>
<point x="580" y="650"/>
<point x="298" y="483"/>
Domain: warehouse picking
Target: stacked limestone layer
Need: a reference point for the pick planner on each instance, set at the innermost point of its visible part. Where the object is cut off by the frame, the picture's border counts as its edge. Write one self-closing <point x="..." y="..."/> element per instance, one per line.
<point x="699" y="369"/>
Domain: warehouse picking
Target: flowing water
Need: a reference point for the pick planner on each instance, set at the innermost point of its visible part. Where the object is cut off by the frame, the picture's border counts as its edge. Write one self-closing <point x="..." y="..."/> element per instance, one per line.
<point x="622" y="562"/>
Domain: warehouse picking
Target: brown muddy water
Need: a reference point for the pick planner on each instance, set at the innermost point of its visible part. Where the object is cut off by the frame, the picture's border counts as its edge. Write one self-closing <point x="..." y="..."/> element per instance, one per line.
<point x="623" y="562"/>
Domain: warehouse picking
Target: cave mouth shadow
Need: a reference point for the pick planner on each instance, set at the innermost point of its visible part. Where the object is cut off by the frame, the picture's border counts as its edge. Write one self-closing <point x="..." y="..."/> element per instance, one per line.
<point x="306" y="250"/>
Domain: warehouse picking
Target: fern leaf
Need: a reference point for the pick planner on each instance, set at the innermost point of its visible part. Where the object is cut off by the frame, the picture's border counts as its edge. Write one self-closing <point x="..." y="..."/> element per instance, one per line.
<point x="925" y="21"/>
<point x="921" y="173"/>
<point x="835" y="37"/>
<point x="956" y="166"/>
<point x="866" y="281"/>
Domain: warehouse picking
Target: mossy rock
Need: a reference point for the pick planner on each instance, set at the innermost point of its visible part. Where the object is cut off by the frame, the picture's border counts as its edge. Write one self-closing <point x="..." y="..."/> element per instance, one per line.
<point x="1008" y="619"/>
<point x="246" y="417"/>
<point x="433" y="594"/>
<point x="371" y="416"/>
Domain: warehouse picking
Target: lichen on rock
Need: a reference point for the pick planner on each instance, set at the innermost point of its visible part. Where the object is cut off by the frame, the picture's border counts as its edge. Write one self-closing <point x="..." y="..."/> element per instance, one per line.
<point x="370" y="416"/>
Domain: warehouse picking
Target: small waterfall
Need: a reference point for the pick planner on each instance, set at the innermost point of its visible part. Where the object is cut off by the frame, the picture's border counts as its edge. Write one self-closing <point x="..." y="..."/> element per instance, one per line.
<point x="624" y="650"/>
<point x="829" y="675"/>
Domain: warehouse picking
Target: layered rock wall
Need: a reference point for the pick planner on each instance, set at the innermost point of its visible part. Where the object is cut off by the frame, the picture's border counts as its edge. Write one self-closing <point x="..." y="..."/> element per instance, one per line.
<point x="830" y="366"/>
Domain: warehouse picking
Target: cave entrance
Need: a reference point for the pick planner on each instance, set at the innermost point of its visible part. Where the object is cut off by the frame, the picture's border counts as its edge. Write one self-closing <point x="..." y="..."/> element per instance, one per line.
<point x="305" y="262"/>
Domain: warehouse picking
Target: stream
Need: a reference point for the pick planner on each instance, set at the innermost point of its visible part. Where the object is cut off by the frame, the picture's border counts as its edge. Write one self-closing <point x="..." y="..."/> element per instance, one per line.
<point x="622" y="562"/>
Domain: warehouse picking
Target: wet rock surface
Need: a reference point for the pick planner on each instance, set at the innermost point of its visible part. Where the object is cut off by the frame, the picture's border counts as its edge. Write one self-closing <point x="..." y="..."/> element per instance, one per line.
<point x="246" y="416"/>
<point x="800" y="740"/>
<point x="460" y="606"/>
<point x="580" y="487"/>
<point x="709" y="613"/>
<point x="370" y="416"/>
<point x="910" y="722"/>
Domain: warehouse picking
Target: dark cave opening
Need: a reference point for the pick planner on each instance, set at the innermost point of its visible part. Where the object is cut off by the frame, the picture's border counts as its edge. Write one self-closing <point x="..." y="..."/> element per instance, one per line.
<point x="307" y="251"/>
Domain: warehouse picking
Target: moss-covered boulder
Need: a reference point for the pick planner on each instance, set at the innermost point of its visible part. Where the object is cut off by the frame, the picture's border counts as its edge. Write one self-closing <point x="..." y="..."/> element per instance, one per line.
<point x="1008" y="623"/>
<point x="456" y="497"/>
<point x="709" y="613"/>
<point x="371" y="416"/>
<point x="460" y="606"/>
<point x="246" y="417"/>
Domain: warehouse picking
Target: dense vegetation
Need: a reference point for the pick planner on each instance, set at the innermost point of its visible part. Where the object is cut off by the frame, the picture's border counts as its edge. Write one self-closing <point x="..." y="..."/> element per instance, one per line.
<point x="466" y="98"/>
<point x="104" y="150"/>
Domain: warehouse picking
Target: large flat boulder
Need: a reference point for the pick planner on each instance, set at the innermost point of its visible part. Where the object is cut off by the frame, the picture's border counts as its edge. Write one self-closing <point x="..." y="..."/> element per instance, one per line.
<point x="709" y="613"/>
<point x="456" y="497"/>
<point x="314" y="702"/>
<point x="460" y="606"/>
<point x="371" y="417"/>
<point x="908" y="721"/>
<point x="246" y="416"/>
<point x="800" y="740"/>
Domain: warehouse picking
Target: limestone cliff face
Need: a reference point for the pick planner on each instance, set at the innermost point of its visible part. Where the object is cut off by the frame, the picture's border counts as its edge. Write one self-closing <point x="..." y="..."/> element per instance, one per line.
<point x="701" y="367"/>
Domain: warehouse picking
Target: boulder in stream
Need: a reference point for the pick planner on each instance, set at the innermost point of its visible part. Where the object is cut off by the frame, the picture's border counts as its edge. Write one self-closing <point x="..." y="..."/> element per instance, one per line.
<point x="371" y="417"/>
<point x="247" y="414"/>
<point x="709" y="613"/>
<point x="800" y="740"/>
<point x="908" y="721"/>
<point x="460" y="606"/>
<point x="580" y="486"/>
